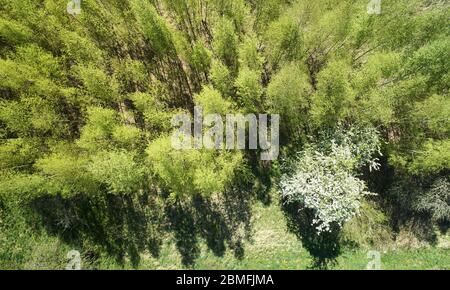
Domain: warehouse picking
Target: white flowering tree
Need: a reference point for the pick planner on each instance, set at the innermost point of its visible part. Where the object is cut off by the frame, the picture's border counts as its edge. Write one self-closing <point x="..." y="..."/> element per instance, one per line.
<point x="326" y="183"/>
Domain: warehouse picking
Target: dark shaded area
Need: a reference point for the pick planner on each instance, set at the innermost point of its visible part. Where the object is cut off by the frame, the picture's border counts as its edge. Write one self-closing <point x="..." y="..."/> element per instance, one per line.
<point x="264" y="172"/>
<point x="121" y="226"/>
<point x="399" y="195"/>
<point x="126" y="226"/>
<point x="444" y="226"/>
<point x="222" y="222"/>
<point x="181" y="221"/>
<point x="324" y="248"/>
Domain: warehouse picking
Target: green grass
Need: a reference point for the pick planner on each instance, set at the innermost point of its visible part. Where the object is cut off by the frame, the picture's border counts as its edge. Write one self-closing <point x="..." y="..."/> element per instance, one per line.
<point x="272" y="247"/>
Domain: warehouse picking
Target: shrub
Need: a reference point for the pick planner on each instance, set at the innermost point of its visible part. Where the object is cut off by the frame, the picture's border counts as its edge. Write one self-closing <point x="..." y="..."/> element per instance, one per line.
<point x="368" y="230"/>
<point x="193" y="172"/>
<point x="324" y="176"/>
<point x="325" y="184"/>
<point x="118" y="171"/>
<point x="436" y="201"/>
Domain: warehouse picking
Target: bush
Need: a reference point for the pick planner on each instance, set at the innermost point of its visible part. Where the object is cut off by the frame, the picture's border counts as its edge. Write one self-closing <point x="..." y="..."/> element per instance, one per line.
<point x="368" y="230"/>
<point x="325" y="184"/>
<point x="436" y="201"/>
<point x="324" y="177"/>
<point x="193" y="172"/>
<point x="118" y="171"/>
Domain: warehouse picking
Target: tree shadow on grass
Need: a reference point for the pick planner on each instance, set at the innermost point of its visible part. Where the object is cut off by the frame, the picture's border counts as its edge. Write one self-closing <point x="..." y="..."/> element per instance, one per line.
<point x="324" y="248"/>
<point x="398" y="197"/>
<point x="126" y="226"/>
<point x="119" y="225"/>
<point x="222" y="222"/>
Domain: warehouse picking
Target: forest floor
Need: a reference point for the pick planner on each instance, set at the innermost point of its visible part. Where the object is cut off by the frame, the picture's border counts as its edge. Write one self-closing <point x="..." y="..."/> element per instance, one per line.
<point x="272" y="247"/>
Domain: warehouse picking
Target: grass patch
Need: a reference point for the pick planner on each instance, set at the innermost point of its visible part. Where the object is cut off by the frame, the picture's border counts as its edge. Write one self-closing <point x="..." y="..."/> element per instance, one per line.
<point x="272" y="247"/>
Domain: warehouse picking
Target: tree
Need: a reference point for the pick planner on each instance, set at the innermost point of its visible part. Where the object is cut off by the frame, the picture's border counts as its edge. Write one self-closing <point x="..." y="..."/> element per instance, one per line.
<point x="86" y="103"/>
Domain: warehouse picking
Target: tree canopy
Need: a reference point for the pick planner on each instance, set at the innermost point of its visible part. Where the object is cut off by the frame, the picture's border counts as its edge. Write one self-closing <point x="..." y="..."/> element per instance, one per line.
<point x="86" y="103"/>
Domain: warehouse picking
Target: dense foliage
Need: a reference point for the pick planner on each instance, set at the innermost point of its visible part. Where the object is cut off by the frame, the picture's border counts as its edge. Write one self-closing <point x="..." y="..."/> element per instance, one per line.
<point x="325" y="182"/>
<point x="86" y="103"/>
